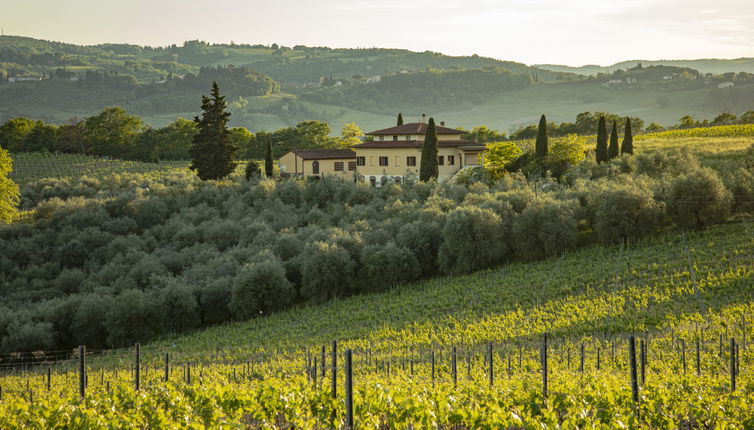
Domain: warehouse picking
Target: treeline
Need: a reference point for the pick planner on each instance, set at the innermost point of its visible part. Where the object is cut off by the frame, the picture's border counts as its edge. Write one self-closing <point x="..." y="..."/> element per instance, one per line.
<point x="412" y="91"/>
<point x="114" y="133"/>
<point x="109" y="271"/>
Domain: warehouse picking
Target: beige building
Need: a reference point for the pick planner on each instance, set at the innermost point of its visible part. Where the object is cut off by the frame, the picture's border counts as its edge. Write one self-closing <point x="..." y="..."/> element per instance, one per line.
<point x="388" y="155"/>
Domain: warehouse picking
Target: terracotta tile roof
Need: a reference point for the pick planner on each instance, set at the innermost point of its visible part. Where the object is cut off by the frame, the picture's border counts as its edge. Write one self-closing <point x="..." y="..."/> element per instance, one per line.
<point x="325" y="154"/>
<point x="413" y="128"/>
<point x="414" y="144"/>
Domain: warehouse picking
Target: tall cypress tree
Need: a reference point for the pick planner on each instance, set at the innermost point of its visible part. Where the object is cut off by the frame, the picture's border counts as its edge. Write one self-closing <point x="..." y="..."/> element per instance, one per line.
<point x="400" y="119"/>
<point x="429" y="168"/>
<point x="601" y="151"/>
<point x="212" y="153"/>
<point x="268" y="171"/>
<point x="541" y="145"/>
<point x="628" y="139"/>
<point x="612" y="151"/>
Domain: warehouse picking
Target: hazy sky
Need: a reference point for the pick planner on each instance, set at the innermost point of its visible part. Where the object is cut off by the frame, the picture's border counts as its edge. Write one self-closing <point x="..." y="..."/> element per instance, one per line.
<point x="573" y="32"/>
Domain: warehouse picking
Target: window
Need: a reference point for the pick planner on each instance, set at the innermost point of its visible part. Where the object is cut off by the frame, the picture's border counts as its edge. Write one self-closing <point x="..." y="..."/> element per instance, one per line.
<point x="395" y="138"/>
<point x="451" y="160"/>
<point x="361" y="161"/>
<point x="315" y="167"/>
<point x="338" y="166"/>
<point x="383" y="161"/>
<point x="382" y="138"/>
<point x="352" y="166"/>
<point x="411" y="161"/>
<point x="408" y="137"/>
<point x="441" y="160"/>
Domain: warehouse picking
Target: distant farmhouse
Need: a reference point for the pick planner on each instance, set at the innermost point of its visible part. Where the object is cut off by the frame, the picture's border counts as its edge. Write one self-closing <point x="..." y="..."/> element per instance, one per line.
<point x="391" y="154"/>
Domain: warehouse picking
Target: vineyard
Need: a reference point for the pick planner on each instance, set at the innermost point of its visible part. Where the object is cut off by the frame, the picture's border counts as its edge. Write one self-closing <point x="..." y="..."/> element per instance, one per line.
<point x="454" y="353"/>
<point x="743" y="130"/>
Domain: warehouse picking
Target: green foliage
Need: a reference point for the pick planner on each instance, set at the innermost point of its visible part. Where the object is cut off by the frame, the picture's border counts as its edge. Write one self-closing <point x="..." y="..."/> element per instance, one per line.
<point x="212" y="153"/>
<point x="400" y="119"/>
<point x="545" y="228"/>
<point x="627" y="147"/>
<point x="602" y="150"/>
<point x="327" y="271"/>
<point x="473" y="238"/>
<point x="389" y="265"/>
<point x="540" y="147"/>
<point x="698" y="199"/>
<point x="429" y="168"/>
<point x="613" y="150"/>
<point x="132" y="318"/>
<point x="260" y="288"/>
<point x="9" y="193"/>
<point x="483" y="134"/>
<point x="627" y="211"/>
<point x="179" y="310"/>
<point x="498" y="156"/>
<point x="268" y="170"/>
<point x="252" y="170"/>
<point x="565" y="152"/>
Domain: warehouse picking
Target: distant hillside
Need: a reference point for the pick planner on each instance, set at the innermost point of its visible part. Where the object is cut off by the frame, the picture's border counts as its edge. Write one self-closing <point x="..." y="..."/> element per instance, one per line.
<point x="714" y="66"/>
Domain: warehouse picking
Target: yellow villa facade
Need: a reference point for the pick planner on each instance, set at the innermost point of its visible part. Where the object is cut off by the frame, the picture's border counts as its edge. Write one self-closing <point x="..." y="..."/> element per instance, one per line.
<point x="388" y="155"/>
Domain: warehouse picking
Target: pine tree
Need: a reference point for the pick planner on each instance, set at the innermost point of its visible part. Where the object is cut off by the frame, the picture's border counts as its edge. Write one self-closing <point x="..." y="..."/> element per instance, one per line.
<point x="268" y="171"/>
<point x="429" y="168"/>
<point x="612" y="151"/>
<point x="541" y="145"/>
<point x="212" y="153"/>
<point x="628" y="139"/>
<point x="400" y="119"/>
<point x="601" y="151"/>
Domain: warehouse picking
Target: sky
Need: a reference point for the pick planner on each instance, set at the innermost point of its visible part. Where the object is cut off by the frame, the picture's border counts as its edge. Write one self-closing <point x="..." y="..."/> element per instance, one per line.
<point x="571" y="32"/>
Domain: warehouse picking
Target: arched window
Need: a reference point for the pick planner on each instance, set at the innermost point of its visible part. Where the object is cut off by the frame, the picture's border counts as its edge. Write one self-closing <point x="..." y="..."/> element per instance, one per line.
<point x="315" y="167"/>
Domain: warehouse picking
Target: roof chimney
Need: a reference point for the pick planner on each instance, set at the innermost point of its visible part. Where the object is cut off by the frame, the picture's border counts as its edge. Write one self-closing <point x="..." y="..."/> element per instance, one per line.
<point x="442" y="123"/>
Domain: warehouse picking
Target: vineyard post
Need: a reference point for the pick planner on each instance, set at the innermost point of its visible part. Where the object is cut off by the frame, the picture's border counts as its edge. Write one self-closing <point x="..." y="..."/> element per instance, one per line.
<point x="322" y="360"/>
<point x="544" y="365"/>
<point x="314" y="372"/>
<point x="468" y="365"/>
<point x="432" y="360"/>
<point x="509" y="365"/>
<point x="491" y="364"/>
<point x="349" y="391"/>
<point x="82" y="366"/>
<point x="188" y="373"/>
<point x="632" y="361"/>
<point x="49" y="376"/>
<point x="137" y="366"/>
<point x="683" y="354"/>
<point x="643" y="360"/>
<point x="581" y="366"/>
<point x="455" y="369"/>
<point x="698" y="360"/>
<point x="334" y="371"/>
<point x="598" y="358"/>
<point x="732" y="365"/>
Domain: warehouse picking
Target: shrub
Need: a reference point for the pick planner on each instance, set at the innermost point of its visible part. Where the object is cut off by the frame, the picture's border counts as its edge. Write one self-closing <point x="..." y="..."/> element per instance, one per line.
<point x="626" y="212"/>
<point x="28" y="336"/>
<point x="89" y="320"/>
<point x="130" y="319"/>
<point x="473" y="239"/>
<point x="389" y="265"/>
<point x="327" y="271"/>
<point x="546" y="227"/>
<point x="260" y="288"/>
<point x="214" y="301"/>
<point x="179" y="310"/>
<point x="423" y="240"/>
<point x="741" y="185"/>
<point x="672" y="162"/>
<point x="698" y="199"/>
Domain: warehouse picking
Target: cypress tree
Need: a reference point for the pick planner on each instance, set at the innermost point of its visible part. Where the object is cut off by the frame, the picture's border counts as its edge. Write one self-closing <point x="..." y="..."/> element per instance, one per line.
<point x="601" y="151"/>
<point x="400" y="119"/>
<point x="268" y="171"/>
<point x="612" y="151"/>
<point x="541" y="145"/>
<point x="429" y="168"/>
<point x="628" y="139"/>
<point x="212" y="153"/>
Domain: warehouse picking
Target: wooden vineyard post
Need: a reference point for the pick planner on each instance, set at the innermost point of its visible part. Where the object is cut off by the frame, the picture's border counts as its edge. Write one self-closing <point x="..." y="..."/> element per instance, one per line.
<point x="732" y="365"/>
<point x="632" y="361"/>
<point x="432" y="359"/>
<point x="138" y="367"/>
<point x="468" y="365"/>
<point x="188" y="373"/>
<point x="349" y="390"/>
<point x="598" y="358"/>
<point x="454" y="368"/>
<point x="167" y="367"/>
<point x="544" y="365"/>
<point x="322" y="360"/>
<point x="491" y="362"/>
<point x="82" y="368"/>
<point x="334" y="371"/>
<point x="683" y="354"/>
<point x="49" y="376"/>
<point x="698" y="360"/>
<point x="581" y="366"/>
<point x="643" y="360"/>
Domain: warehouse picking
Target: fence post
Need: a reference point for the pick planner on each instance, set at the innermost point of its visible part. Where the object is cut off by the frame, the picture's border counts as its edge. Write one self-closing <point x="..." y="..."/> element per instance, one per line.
<point x="349" y="391"/>
<point x="82" y="368"/>
<point x="334" y="371"/>
<point x="188" y="373"/>
<point x="698" y="360"/>
<point x="49" y="376"/>
<point x="167" y="367"/>
<point x="455" y="369"/>
<point x="137" y="369"/>
<point x="322" y="362"/>
<point x="632" y="361"/>
<point x="432" y="359"/>
<point x="581" y="353"/>
<point x="544" y="365"/>
<point x="732" y="365"/>
<point x="598" y="358"/>
<point x="683" y="354"/>
<point x="491" y="361"/>
<point x="643" y="360"/>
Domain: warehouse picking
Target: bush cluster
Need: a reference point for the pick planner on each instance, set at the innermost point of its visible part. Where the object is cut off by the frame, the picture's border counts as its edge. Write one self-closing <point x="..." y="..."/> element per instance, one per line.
<point x="111" y="263"/>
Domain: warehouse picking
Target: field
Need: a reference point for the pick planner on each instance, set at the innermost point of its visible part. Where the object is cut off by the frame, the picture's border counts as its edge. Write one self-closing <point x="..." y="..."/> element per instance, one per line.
<point x="670" y="291"/>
